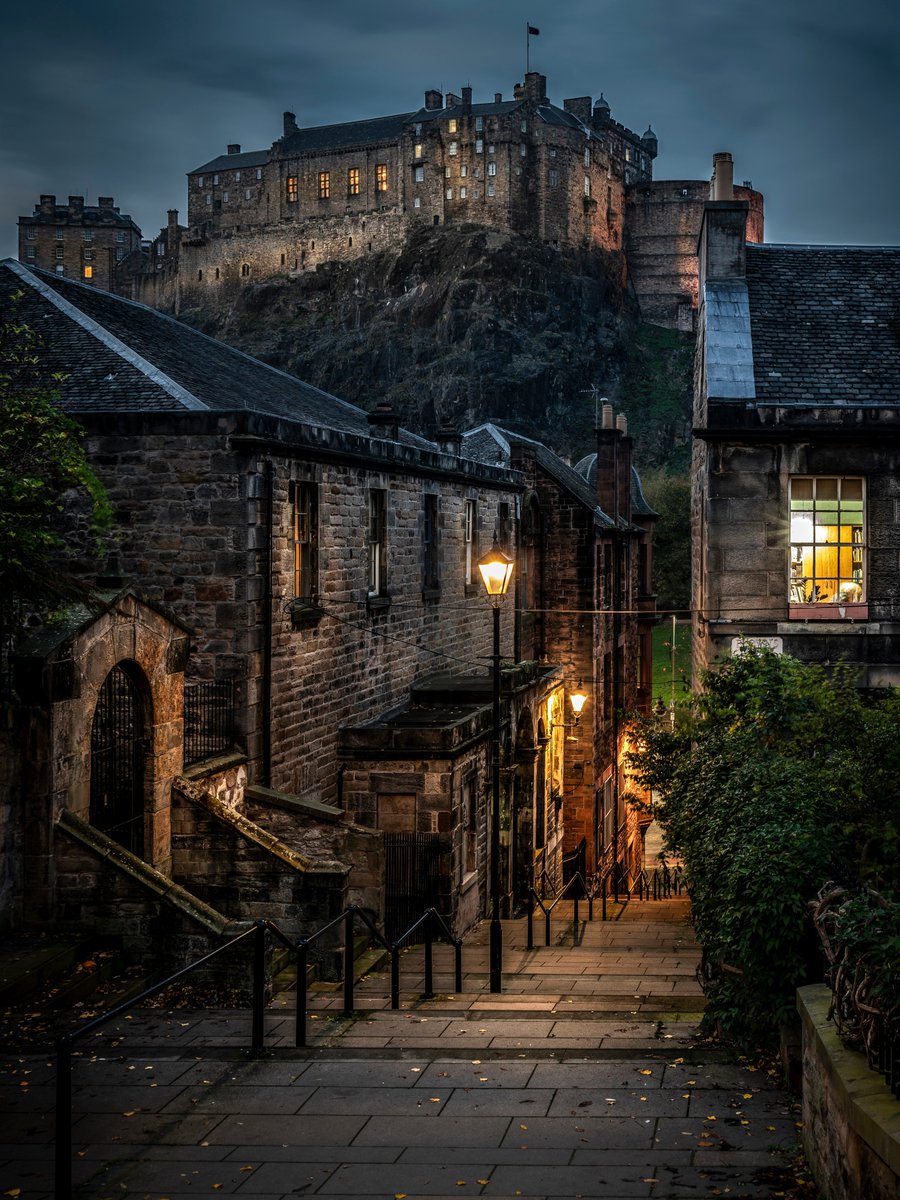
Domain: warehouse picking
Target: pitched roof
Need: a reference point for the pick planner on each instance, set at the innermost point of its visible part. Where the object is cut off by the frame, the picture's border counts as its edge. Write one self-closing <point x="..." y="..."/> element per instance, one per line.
<point x="352" y="133"/>
<point x="250" y="158"/>
<point x="120" y="356"/>
<point x="825" y="323"/>
<point x="587" y="468"/>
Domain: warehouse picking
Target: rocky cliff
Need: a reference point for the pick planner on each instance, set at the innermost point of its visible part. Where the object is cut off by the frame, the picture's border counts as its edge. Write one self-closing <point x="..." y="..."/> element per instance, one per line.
<point x="463" y="324"/>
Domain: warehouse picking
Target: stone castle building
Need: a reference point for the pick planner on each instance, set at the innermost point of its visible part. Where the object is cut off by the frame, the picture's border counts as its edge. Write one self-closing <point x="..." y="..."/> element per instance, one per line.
<point x="87" y="242"/>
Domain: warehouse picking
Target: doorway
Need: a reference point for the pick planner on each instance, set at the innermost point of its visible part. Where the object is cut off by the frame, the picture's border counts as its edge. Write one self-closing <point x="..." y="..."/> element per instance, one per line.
<point x="117" y="761"/>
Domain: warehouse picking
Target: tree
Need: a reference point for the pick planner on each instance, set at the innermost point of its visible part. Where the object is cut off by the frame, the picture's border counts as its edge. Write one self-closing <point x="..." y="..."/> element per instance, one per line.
<point x="782" y="777"/>
<point x="670" y="496"/>
<point x="42" y="463"/>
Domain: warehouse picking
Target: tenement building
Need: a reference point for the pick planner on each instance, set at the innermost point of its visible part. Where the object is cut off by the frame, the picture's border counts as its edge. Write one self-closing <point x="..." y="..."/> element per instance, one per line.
<point x="277" y="701"/>
<point x="796" y="504"/>
<point x="87" y="242"/>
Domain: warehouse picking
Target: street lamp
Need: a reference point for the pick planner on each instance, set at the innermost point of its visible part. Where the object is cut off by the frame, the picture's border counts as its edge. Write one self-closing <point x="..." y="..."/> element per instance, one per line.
<point x="496" y="571"/>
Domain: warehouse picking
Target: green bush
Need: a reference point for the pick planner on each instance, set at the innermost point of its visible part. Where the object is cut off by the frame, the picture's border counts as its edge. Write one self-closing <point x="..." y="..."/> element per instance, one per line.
<point x="782" y="776"/>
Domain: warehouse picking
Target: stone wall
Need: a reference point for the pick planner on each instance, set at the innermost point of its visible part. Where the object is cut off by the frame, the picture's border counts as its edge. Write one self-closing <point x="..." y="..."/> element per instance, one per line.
<point x="851" y="1122"/>
<point x="11" y="822"/>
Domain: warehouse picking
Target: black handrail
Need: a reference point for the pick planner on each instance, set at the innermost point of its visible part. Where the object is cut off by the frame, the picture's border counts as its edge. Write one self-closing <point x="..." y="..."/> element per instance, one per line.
<point x="533" y="896"/>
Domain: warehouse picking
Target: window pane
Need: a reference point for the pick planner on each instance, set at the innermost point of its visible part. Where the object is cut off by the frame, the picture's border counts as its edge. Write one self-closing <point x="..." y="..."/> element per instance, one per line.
<point x="826" y="563"/>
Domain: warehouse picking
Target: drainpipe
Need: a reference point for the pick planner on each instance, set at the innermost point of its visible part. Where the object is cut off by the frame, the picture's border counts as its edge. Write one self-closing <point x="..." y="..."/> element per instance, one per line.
<point x="269" y="475"/>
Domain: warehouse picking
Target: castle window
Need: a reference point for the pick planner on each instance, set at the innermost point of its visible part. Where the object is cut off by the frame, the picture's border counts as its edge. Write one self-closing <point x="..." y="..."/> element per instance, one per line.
<point x="454" y="148"/>
<point x="479" y="146"/>
<point x="245" y="269"/>
<point x="450" y="193"/>
<point x="587" y="185"/>
<point x="492" y="168"/>
<point x="248" y="193"/>
<point x="324" y="185"/>
<point x="628" y="154"/>
<point x="376" y="542"/>
<point x="463" y="170"/>
<point x="306" y="541"/>
<point x="490" y="189"/>
<point x="523" y="149"/>
<point x="417" y="203"/>
<point x="451" y="125"/>
<point x="587" y="156"/>
<point x="430" y="559"/>
<point x="30" y="233"/>
<point x="292" y="189"/>
<point x="479" y="124"/>
<point x="88" y="235"/>
<point x="381" y="177"/>
<point x="29" y="251"/>
<point x="199" y="181"/>
<point x="463" y="193"/>
<point x="60" y="233"/>
<point x="553" y="177"/>
<point x="60" y="251"/>
<point x="225" y="197"/>
<point x="827" y="541"/>
<point x="88" y="271"/>
<point x="120" y="236"/>
<point x="208" y="199"/>
<point x="417" y="150"/>
<point x="259" y="173"/>
<point x="419" y="174"/>
<point x="353" y="181"/>
<point x="237" y="177"/>
<point x="215" y="180"/>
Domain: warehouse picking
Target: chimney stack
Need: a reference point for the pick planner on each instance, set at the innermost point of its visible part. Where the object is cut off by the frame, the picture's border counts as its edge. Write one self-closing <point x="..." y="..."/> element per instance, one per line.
<point x="722" y="177"/>
<point x="449" y="440"/>
<point x="467" y="98"/>
<point x="384" y="423"/>
<point x="434" y="100"/>
<point x="105" y="202"/>
<point x="234" y="147"/>
<point x="290" y="124"/>
<point x="47" y="204"/>
<point x="623" y="467"/>
<point x="76" y="206"/>
<point x="498" y="97"/>
<point x="607" y="485"/>
<point x="172" y="231"/>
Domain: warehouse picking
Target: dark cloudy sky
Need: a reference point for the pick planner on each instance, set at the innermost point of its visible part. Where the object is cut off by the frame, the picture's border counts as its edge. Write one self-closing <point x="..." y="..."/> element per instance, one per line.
<point x="99" y="96"/>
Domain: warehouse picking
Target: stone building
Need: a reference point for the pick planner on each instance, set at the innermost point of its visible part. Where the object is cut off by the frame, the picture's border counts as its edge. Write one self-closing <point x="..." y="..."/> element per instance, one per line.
<point x="310" y="571"/>
<point x="87" y="242"/>
<point x="796" y="502"/>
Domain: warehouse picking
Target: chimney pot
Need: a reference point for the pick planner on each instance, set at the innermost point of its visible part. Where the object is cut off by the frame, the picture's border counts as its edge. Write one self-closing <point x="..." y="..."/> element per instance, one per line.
<point x="723" y="176"/>
<point x="622" y="424"/>
<point x="607" y="418"/>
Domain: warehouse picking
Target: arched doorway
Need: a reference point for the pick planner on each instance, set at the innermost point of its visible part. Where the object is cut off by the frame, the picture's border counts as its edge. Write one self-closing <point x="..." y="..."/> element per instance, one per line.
<point x="117" y="761"/>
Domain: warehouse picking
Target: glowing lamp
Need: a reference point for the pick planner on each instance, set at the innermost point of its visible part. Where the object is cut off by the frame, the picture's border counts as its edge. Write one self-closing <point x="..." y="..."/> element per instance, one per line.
<point x="577" y="700"/>
<point x="496" y="571"/>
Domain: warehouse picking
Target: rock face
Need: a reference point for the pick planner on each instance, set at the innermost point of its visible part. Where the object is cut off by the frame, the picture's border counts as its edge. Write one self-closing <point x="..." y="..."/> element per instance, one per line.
<point x="463" y="324"/>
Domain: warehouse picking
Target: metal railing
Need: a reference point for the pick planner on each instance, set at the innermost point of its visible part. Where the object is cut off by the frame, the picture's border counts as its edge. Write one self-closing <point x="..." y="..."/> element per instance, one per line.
<point x="427" y="924"/>
<point x="209" y="719"/>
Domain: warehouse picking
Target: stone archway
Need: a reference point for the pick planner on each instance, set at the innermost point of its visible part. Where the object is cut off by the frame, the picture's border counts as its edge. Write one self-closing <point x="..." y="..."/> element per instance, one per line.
<point x="118" y="754"/>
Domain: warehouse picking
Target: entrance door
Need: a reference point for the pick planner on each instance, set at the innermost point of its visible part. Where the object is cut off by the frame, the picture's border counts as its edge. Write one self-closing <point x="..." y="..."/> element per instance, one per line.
<point x="412" y="877"/>
<point x="117" y="762"/>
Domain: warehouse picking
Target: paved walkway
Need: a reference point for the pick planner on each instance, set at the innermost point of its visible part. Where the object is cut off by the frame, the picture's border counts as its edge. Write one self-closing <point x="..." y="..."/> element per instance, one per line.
<point x="582" y="1078"/>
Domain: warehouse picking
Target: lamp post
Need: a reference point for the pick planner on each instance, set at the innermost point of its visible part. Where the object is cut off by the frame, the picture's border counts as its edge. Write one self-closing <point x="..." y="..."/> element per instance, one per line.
<point x="496" y="571"/>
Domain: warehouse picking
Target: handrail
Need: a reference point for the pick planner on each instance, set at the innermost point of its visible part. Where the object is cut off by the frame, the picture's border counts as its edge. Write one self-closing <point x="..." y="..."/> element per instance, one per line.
<point x="533" y="896"/>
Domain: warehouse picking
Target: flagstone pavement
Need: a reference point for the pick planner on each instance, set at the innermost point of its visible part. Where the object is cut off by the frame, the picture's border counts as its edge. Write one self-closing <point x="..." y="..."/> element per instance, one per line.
<point x="584" y="1077"/>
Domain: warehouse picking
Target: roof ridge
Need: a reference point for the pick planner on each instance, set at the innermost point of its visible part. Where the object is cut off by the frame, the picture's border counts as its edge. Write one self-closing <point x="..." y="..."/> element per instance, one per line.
<point x="103" y="335"/>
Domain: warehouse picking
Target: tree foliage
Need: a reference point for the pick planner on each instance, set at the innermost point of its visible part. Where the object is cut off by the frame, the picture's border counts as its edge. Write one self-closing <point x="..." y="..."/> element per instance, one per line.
<point x="42" y="464"/>
<point x="783" y="776"/>
<point x="670" y="496"/>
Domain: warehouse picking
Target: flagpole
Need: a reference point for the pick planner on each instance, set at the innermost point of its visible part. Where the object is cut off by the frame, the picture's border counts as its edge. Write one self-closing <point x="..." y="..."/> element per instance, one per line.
<point x="527" y="46"/>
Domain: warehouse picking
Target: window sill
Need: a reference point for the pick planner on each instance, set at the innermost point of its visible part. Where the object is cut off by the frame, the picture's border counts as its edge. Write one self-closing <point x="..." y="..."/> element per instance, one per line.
<point x="304" y="613"/>
<point x="431" y="595"/>
<point x="377" y="603"/>
<point x="828" y="612"/>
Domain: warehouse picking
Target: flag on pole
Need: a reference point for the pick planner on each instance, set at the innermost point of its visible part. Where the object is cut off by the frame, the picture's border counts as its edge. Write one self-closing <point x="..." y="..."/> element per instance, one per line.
<point x="533" y="32"/>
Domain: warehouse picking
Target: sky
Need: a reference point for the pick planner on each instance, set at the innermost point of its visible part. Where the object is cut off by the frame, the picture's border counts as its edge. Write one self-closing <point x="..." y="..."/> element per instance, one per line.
<point x="105" y="98"/>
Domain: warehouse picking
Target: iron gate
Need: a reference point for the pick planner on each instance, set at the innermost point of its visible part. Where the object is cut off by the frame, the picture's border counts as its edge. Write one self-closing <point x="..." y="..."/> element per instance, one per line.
<point x="412" y="877"/>
<point x="117" y="762"/>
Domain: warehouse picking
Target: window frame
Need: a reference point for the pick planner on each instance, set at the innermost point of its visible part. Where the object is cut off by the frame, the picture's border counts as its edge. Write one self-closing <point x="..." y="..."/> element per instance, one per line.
<point x="376" y="542"/>
<point x="305" y="541"/>
<point x="431" y="545"/>
<point x="353" y="181"/>
<point x="323" y="185"/>
<point x="849" y="598"/>
<point x="381" y="177"/>
<point x="292" y="189"/>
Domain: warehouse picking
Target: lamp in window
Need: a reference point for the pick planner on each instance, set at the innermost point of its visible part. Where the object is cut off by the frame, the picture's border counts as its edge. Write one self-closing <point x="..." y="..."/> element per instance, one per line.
<point x="496" y="571"/>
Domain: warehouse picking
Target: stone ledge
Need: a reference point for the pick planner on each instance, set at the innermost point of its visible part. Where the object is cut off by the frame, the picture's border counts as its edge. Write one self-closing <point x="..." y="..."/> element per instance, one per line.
<point x="295" y="804"/>
<point x="864" y="1098"/>
<point x="215" y="766"/>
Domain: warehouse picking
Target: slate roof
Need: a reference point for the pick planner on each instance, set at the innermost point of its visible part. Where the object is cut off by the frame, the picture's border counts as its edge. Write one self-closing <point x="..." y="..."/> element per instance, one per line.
<point x="490" y="443"/>
<point x="353" y="133"/>
<point x="120" y="356"/>
<point x="587" y="469"/>
<point x="225" y="162"/>
<point x="729" y="350"/>
<point x="825" y="323"/>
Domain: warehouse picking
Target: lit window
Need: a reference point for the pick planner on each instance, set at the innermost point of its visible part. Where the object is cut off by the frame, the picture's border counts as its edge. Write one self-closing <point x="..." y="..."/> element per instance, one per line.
<point x="30" y="233"/>
<point x="479" y="124"/>
<point x="259" y="173"/>
<point x="417" y="152"/>
<point x="60" y="233"/>
<point x="451" y="125"/>
<point x="827" y="541"/>
<point x="628" y="154"/>
<point x="353" y="181"/>
<point x="492" y="168"/>
<point x="553" y="178"/>
<point x="377" y="542"/>
<point x="88" y="271"/>
<point x="381" y="177"/>
<point x="471" y="543"/>
<point x="479" y="146"/>
<point x="430" y="560"/>
<point x="324" y="185"/>
<point x="419" y="174"/>
<point x="292" y="189"/>
<point x="454" y="148"/>
<point x="88" y="235"/>
<point x="463" y="193"/>
<point x="306" y="541"/>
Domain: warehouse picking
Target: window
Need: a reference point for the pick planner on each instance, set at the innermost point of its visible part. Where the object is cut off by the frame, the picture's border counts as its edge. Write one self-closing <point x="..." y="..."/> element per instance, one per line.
<point x="587" y="156"/>
<point x="419" y="174"/>
<point x="553" y="177"/>
<point x="208" y="199"/>
<point x="225" y="197"/>
<point x="120" y="253"/>
<point x="827" y="541"/>
<point x="292" y="189"/>
<point x="258" y="173"/>
<point x="587" y="185"/>
<point x="306" y="541"/>
<point x="470" y="811"/>
<point x="463" y="193"/>
<point x="88" y="271"/>
<point x="417" y="203"/>
<point x="418" y="129"/>
<point x="490" y="189"/>
<point x="60" y="251"/>
<point x="215" y="180"/>
<point x="479" y="146"/>
<point x="237" y="177"/>
<point x="30" y="233"/>
<point x="381" y="177"/>
<point x="353" y="181"/>
<point x="492" y="168"/>
<point x="377" y="542"/>
<point x="417" y="151"/>
<point x="491" y="149"/>
<point x="628" y="154"/>
<point x="60" y="233"/>
<point x="463" y="170"/>
<point x="60" y="270"/>
<point x="450" y="193"/>
<point x="553" y="152"/>
<point x="120" y="235"/>
<point x="454" y="148"/>
<point x="88" y="255"/>
<point x="524" y="125"/>
<point x="324" y="185"/>
<point x="248" y="193"/>
<point x="446" y="172"/>
<point x="88" y="235"/>
<point x="430" y="564"/>
<point x="471" y="543"/>
<point x="29" y="251"/>
<point x="199" y="181"/>
<point x="523" y="150"/>
<point x="479" y="124"/>
<point x="451" y="125"/>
